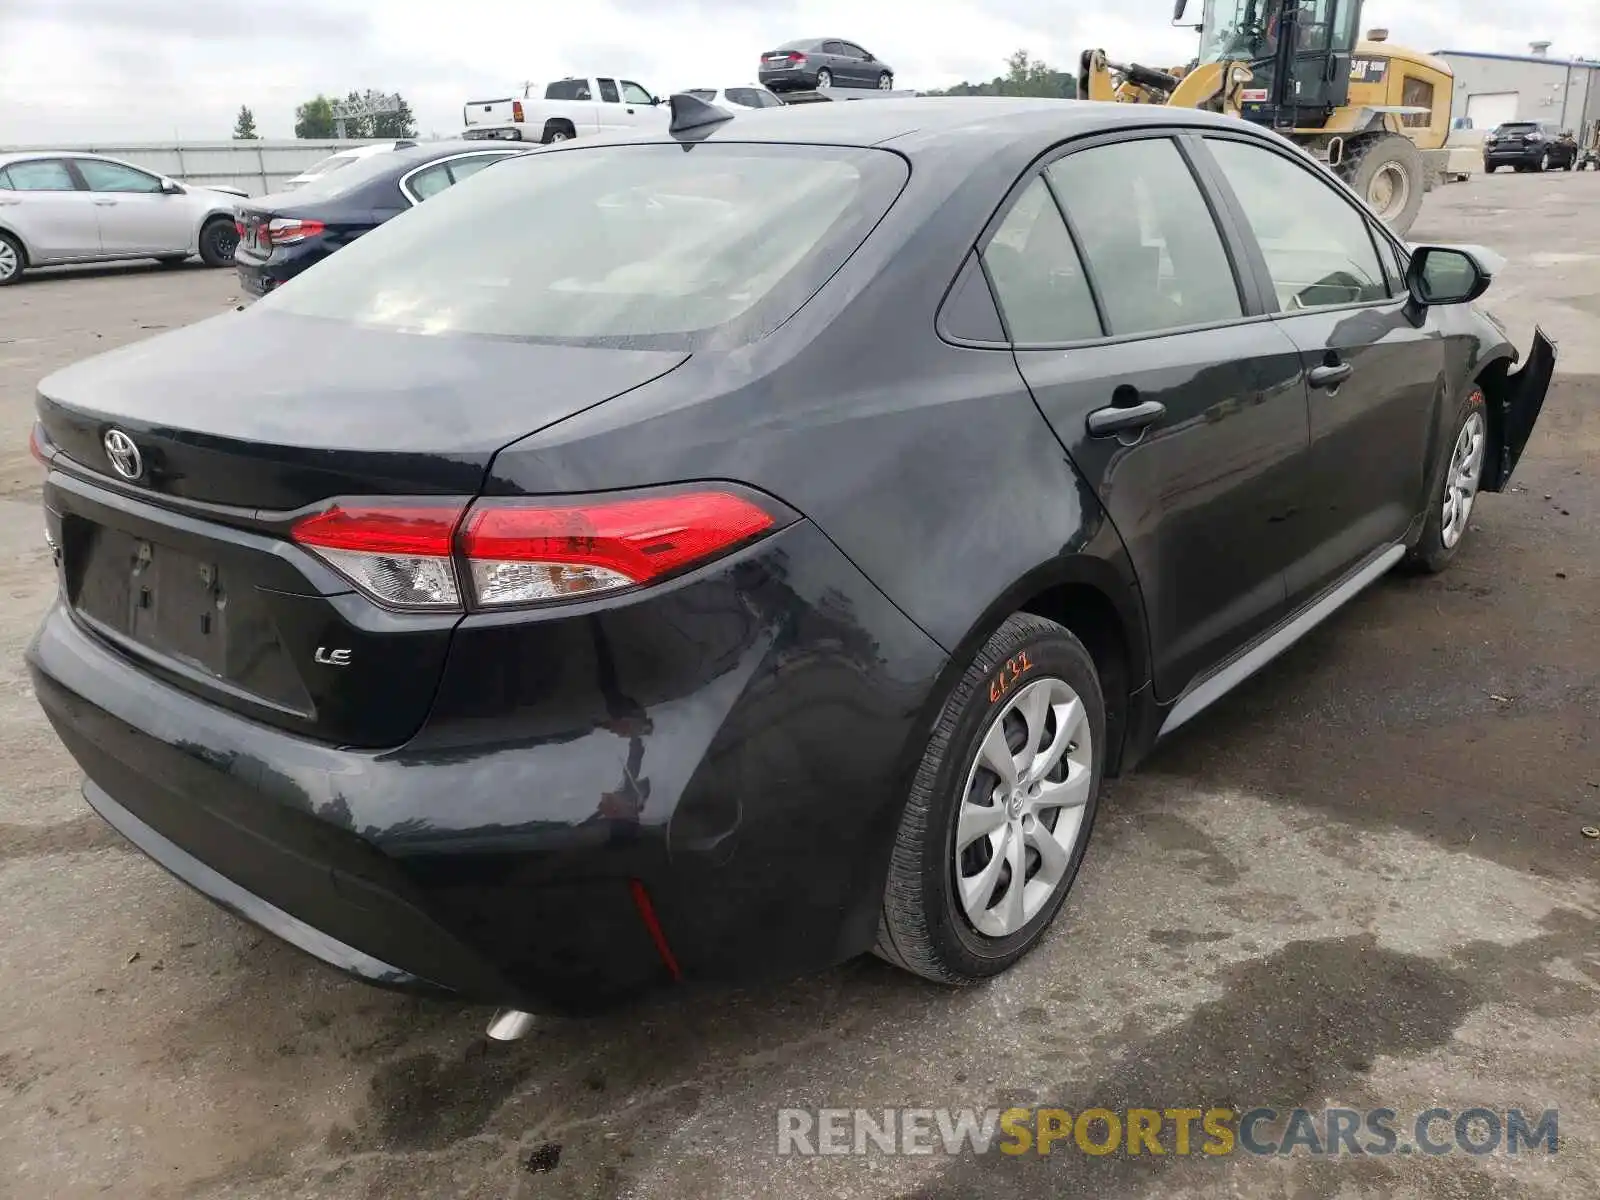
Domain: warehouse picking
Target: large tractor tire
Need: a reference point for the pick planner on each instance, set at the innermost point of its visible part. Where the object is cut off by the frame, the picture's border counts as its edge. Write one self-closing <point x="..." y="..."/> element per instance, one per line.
<point x="1387" y="172"/>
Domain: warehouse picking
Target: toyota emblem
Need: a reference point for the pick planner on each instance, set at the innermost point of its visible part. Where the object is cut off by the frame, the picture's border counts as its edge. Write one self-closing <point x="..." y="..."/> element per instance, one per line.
<point x="124" y="455"/>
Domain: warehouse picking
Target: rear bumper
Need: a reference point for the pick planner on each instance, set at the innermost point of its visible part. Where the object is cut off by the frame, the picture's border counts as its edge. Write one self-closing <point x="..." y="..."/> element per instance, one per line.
<point x="703" y="784"/>
<point x="1519" y="158"/>
<point x="779" y="81"/>
<point x="258" y="276"/>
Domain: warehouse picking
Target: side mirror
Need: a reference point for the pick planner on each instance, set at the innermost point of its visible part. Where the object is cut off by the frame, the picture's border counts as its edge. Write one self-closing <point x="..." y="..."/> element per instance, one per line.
<point x="1177" y="10"/>
<point x="171" y="187"/>
<point x="1446" y="275"/>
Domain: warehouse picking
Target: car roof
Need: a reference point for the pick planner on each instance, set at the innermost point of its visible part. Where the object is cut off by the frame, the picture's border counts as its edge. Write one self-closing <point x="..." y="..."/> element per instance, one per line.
<point x="11" y="156"/>
<point x="930" y="124"/>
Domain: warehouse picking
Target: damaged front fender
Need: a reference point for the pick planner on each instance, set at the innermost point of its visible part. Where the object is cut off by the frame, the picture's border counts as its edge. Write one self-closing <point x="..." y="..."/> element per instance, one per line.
<point x="1520" y="400"/>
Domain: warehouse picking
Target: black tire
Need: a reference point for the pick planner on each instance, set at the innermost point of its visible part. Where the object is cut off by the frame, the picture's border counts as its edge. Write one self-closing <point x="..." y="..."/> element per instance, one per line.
<point x="1543" y="164"/>
<point x="885" y="82"/>
<point x="824" y="79"/>
<point x="557" y="131"/>
<point x="1520" y="168"/>
<point x="923" y="927"/>
<point x="1380" y="155"/>
<point x="1488" y="170"/>
<point x="15" y="259"/>
<point x="1432" y="554"/>
<point x="219" y="238"/>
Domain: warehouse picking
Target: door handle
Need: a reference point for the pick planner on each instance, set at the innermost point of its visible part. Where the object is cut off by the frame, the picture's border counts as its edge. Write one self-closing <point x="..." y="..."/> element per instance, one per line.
<point x="1330" y="375"/>
<point x="105" y="203"/>
<point x="1104" y="422"/>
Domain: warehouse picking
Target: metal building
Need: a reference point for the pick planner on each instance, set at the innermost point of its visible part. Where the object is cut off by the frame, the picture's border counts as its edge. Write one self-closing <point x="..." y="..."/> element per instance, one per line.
<point x="1491" y="89"/>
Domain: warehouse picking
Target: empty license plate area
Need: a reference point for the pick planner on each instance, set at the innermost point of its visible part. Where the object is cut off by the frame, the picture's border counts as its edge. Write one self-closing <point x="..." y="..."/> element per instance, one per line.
<point x="162" y="598"/>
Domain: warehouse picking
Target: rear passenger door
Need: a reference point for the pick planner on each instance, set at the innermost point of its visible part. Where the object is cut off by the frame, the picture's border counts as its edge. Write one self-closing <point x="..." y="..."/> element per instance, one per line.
<point x="1373" y="375"/>
<point x="1178" y="400"/>
<point x="55" y="217"/>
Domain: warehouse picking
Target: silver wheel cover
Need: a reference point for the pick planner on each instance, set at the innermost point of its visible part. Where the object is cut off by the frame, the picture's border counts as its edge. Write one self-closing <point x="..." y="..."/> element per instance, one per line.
<point x="1021" y="812"/>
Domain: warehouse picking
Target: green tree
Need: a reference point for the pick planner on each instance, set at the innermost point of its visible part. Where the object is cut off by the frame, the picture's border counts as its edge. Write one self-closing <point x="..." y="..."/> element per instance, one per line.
<point x="314" y="119"/>
<point x="1025" y="76"/>
<point x="244" y="128"/>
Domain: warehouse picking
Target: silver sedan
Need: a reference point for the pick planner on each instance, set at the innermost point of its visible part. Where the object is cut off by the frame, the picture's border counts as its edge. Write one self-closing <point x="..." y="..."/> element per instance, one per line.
<point x="62" y="207"/>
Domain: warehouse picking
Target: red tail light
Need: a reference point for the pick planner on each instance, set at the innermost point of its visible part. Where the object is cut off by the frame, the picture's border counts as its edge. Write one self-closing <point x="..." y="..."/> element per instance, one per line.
<point x="238" y="227"/>
<point x="36" y="446"/>
<point x="399" y="553"/>
<point x="516" y="110"/>
<point x="796" y="57"/>
<point x="286" y="231"/>
<point x="525" y="551"/>
<point x="520" y="553"/>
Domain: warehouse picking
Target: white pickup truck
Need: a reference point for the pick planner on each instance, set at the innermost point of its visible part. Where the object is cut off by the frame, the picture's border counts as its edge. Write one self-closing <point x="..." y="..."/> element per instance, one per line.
<point x="567" y="108"/>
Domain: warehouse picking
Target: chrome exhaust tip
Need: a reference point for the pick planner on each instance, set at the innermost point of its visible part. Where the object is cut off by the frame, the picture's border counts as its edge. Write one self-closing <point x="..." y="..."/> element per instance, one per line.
<point x="509" y="1024"/>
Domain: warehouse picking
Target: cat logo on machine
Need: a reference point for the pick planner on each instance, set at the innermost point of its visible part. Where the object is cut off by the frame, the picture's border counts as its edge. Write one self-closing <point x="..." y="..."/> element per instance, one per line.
<point x="1368" y="70"/>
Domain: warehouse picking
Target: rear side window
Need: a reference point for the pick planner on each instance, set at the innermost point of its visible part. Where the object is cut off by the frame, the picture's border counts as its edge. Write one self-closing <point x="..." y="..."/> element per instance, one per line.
<point x="1148" y="235"/>
<point x="1038" y="280"/>
<point x="1317" y="244"/>
<point x="568" y="89"/>
<point x="429" y="182"/>
<point x="465" y="168"/>
<point x="661" y="246"/>
<point x="45" y="175"/>
<point x="608" y="91"/>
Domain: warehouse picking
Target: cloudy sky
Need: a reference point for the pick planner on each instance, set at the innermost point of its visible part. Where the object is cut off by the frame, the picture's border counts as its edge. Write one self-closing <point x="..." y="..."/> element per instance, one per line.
<point x="83" y="70"/>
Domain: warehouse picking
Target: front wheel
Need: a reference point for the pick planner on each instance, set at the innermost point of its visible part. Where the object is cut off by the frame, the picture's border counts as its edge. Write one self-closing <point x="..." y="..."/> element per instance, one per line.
<point x="886" y="82"/>
<point x="218" y="240"/>
<point x="1000" y="809"/>
<point x="1455" y="491"/>
<point x="1544" y="162"/>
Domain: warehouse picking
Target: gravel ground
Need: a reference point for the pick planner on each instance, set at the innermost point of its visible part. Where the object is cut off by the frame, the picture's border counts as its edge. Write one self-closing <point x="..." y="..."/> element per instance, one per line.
<point x="1360" y="880"/>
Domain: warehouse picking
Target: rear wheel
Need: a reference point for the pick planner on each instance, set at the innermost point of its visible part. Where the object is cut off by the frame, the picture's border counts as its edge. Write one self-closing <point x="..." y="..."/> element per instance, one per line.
<point x="557" y="131"/>
<point x="218" y="240"/>
<point x="824" y="79"/>
<point x="1387" y="172"/>
<point x="12" y="259"/>
<point x="1000" y="809"/>
<point x="1455" y="491"/>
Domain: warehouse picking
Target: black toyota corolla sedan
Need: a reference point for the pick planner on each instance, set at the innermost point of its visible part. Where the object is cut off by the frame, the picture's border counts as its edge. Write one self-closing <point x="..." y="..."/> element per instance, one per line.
<point x="730" y="550"/>
<point x="281" y="235"/>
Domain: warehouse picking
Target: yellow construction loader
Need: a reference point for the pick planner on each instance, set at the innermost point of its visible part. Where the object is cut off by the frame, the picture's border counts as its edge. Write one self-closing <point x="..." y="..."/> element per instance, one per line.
<point x="1374" y="112"/>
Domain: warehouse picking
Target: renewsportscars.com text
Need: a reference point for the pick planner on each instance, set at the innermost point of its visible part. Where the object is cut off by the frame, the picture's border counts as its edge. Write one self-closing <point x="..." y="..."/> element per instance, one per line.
<point x="1180" y="1132"/>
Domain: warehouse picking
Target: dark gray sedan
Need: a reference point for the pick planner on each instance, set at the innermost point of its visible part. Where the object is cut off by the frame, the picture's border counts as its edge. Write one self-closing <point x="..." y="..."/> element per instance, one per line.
<point x="822" y="63"/>
<point x="723" y="550"/>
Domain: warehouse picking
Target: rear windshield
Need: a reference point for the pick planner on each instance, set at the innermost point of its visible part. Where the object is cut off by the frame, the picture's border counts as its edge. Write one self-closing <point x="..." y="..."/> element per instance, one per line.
<point x="348" y="176"/>
<point x="1518" y="127"/>
<point x="677" y="246"/>
<point x="332" y="163"/>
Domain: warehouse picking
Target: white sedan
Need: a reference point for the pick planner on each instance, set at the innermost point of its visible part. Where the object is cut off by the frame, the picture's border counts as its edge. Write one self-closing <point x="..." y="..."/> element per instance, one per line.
<point x="750" y="95"/>
<point x="63" y="207"/>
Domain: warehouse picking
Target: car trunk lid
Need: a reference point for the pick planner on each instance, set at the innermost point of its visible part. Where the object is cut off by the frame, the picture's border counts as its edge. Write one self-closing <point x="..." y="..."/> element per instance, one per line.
<point x="241" y="424"/>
